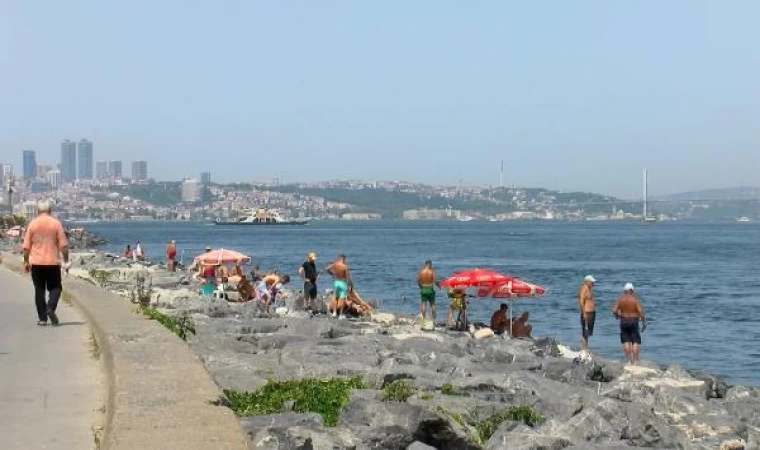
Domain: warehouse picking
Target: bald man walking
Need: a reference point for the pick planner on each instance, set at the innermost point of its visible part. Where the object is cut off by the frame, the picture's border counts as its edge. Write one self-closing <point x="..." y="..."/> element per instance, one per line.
<point x="44" y="243"/>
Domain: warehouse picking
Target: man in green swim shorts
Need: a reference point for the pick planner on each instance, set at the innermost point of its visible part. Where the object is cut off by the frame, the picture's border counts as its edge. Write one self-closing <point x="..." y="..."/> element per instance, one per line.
<point x="426" y="282"/>
<point x="339" y="270"/>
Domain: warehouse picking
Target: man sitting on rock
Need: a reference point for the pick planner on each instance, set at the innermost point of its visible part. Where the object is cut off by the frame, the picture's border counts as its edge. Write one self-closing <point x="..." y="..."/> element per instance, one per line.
<point x="245" y="289"/>
<point x="521" y="328"/>
<point x="499" y="320"/>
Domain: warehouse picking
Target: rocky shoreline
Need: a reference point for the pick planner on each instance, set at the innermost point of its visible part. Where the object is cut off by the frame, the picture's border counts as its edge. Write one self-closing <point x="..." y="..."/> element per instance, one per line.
<point x="438" y="389"/>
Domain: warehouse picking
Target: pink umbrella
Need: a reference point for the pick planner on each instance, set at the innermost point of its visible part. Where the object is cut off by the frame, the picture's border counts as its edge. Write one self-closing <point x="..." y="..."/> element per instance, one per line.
<point x="482" y="278"/>
<point x="221" y="256"/>
<point x="514" y="288"/>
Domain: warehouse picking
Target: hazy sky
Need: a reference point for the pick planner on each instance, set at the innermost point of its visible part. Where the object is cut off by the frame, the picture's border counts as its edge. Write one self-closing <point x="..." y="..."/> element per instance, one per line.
<point x="572" y="95"/>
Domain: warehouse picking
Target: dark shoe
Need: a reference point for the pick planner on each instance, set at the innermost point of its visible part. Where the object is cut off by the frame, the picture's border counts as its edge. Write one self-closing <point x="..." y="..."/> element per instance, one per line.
<point x="53" y="318"/>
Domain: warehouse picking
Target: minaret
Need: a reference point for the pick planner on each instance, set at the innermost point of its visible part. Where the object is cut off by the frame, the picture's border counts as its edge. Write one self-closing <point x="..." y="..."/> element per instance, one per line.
<point x="501" y="175"/>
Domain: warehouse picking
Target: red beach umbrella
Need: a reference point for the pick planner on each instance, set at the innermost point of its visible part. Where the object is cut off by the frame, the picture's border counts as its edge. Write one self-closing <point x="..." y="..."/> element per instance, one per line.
<point x="479" y="278"/>
<point x="518" y="288"/>
<point x="222" y="256"/>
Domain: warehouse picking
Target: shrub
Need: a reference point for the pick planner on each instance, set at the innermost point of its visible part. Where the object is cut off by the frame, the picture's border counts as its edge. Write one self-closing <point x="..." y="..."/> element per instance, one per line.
<point x="398" y="391"/>
<point x="142" y="290"/>
<point x="448" y="389"/>
<point x="323" y="396"/>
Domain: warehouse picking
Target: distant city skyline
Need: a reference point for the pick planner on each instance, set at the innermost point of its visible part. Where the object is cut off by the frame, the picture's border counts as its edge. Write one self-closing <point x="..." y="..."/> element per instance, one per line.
<point x="575" y="96"/>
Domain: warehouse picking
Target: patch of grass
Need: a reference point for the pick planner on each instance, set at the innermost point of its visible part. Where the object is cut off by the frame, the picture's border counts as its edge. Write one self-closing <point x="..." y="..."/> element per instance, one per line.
<point x="100" y="276"/>
<point x="180" y="326"/>
<point x="94" y="347"/>
<point x="480" y="431"/>
<point x="398" y="391"/>
<point x="525" y="414"/>
<point x="323" y="396"/>
<point x="456" y="417"/>
<point x="425" y="396"/>
<point x="449" y="389"/>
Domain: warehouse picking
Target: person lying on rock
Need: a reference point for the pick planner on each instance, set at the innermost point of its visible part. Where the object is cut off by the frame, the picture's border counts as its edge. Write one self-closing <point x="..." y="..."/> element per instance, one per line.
<point x="521" y="328"/>
<point x="499" y="320"/>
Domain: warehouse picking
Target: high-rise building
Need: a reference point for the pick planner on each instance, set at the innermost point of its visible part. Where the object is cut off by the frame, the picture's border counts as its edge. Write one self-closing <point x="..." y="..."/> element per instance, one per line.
<point x="190" y="190"/>
<point x="205" y="178"/>
<point x="68" y="161"/>
<point x="30" y="165"/>
<point x="42" y="171"/>
<point x="114" y="170"/>
<point x="85" y="159"/>
<point x="101" y="170"/>
<point x="6" y="172"/>
<point x="139" y="170"/>
<point x="54" y="178"/>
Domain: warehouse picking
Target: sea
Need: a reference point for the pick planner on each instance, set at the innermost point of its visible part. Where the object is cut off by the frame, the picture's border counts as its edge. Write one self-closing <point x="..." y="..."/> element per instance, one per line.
<point x="699" y="282"/>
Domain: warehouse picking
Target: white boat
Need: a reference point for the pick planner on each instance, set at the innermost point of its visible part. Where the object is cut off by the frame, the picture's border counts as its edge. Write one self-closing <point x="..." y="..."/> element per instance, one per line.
<point x="744" y="219"/>
<point x="261" y="217"/>
<point x="465" y="219"/>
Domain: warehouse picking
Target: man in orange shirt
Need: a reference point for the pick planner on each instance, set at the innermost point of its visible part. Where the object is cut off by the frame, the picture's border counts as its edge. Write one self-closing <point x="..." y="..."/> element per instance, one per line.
<point x="43" y="242"/>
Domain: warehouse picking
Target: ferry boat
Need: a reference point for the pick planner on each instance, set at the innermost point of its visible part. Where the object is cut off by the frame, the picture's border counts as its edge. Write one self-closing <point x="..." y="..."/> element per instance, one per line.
<point x="261" y="217"/>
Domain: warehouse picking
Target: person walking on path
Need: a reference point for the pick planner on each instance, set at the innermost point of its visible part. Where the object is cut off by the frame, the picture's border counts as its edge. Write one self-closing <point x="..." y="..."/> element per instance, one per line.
<point x="629" y="311"/>
<point x="426" y="283"/>
<point x="308" y="272"/>
<point x="43" y="242"/>
<point x="587" y="307"/>
<point x="171" y="256"/>
<point x="341" y="285"/>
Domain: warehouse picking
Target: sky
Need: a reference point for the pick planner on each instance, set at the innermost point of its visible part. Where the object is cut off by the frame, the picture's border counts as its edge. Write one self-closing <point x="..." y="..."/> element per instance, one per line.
<point x="571" y="95"/>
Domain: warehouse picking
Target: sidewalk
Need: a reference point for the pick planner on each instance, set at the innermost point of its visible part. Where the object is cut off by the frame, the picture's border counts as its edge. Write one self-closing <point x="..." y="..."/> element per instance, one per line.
<point x="50" y="384"/>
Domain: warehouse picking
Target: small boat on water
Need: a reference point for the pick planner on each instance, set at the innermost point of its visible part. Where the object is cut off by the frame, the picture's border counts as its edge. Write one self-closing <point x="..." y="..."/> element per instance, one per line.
<point x="261" y="217"/>
<point x="744" y="219"/>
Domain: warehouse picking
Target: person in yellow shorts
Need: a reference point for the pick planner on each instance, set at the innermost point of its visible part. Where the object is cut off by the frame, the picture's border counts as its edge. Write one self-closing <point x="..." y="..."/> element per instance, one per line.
<point x="458" y="298"/>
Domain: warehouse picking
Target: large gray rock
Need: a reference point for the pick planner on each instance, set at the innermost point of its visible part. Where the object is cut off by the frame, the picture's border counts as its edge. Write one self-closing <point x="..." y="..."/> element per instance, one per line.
<point x="303" y="438"/>
<point x="390" y="425"/>
<point x="527" y="441"/>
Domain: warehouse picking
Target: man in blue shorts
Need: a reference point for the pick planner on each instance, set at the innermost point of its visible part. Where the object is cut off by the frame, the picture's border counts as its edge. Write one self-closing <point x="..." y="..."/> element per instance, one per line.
<point x="339" y="270"/>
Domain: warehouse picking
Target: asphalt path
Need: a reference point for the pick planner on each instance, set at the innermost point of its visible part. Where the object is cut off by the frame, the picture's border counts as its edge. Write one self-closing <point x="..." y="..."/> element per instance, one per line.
<point x="50" y="383"/>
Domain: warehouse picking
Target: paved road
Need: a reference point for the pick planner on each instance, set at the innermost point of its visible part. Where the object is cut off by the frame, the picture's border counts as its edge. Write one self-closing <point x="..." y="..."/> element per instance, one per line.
<point x="50" y="388"/>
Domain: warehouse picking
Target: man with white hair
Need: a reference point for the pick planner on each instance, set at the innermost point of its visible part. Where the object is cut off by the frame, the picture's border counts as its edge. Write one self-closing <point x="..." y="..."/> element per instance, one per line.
<point x="587" y="307"/>
<point x="629" y="311"/>
<point x="44" y="243"/>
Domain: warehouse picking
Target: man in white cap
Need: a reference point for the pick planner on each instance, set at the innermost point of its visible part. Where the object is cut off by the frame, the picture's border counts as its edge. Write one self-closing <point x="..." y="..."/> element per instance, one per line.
<point x="629" y="311"/>
<point x="44" y="243"/>
<point x="587" y="308"/>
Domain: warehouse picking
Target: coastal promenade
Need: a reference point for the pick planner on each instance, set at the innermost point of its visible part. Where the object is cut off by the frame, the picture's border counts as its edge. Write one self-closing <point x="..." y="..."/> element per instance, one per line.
<point x="156" y="394"/>
<point x="50" y="383"/>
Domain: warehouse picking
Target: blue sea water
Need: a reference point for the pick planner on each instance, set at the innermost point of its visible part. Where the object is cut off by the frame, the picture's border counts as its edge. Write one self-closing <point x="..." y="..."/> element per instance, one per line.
<point x="699" y="283"/>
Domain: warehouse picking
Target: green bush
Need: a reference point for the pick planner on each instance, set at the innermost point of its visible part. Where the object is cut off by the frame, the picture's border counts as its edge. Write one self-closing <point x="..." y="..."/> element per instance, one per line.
<point x="325" y="397"/>
<point x="525" y="414"/>
<point x="398" y="391"/>
<point x="180" y="326"/>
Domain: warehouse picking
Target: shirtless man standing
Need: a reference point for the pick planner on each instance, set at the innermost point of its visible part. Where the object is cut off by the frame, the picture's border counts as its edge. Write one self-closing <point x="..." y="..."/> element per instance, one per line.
<point x="629" y="310"/>
<point x="426" y="283"/>
<point x="339" y="270"/>
<point x="587" y="308"/>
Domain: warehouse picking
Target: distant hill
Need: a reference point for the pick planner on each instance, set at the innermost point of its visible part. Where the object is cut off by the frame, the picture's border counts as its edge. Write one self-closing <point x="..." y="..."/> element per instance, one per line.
<point x="391" y="202"/>
<point x="735" y="193"/>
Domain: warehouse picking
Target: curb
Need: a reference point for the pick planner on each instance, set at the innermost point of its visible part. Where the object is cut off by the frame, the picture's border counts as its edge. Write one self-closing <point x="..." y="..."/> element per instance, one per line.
<point x="158" y="393"/>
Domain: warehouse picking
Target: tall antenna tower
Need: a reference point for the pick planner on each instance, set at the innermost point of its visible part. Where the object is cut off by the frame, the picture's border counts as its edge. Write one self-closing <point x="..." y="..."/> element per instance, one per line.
<point x="646" y="194"/>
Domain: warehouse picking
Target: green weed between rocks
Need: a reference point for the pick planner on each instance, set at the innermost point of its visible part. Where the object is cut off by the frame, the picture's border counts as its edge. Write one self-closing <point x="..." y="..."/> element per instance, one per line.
<point x="180" y="326"/>
<point x="449" y="389"/>
<point x="525" y="414"/>
<point x="323" y="396"/>
<point x="482" y="430"/>
<point x="398" y="391"/>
